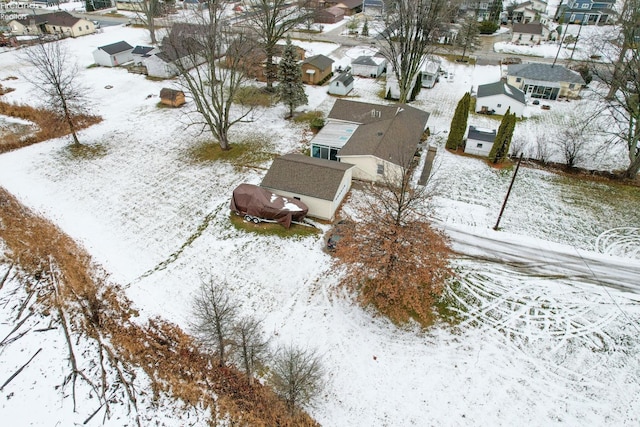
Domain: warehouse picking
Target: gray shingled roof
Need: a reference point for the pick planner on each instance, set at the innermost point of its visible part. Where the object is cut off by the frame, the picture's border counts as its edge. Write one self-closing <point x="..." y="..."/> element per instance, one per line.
<point x="544" y="72"/>
<point x="391" y="135"/>
<point x="306" y="176"/>
<point x="481" y="134"/>
<point x="498" y="88"/>
<point x="61" y="18"/>
<point x="531" y="28"/>
<point x="141" y="50"/>
<point x="117" y="47"/>
<point x="345" y="78"/>
<point x="319" y="61"/>
<point x="364" y="60"/>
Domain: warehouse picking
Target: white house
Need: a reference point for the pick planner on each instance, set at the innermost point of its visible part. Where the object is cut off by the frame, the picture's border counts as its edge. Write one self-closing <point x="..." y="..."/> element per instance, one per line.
<point x="496" y="98"/>
<point x="529" y="34"/>
<point x="113" y="55"/>
<point x="368" y="66"/>
<point x="380" y="140"/>
<point x="320" y="184"/>
<point x="159" y="65"/>
<point x="479" y="141"/>
<point x="342" y="84"/>
<point x="529" y="11"/>
<point x="545" y="81"/>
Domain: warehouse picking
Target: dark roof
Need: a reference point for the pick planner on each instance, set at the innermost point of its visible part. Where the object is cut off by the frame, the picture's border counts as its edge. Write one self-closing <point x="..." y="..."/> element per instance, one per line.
<point x="333" y="11"/>
<point x="306" y="175"/>
<point x="389" y="132"/>
<point x="364" y="60"/>
<point x="498" y="88"/>
<point x="544" y="72"/>
<point x="321" y="62"/>
<point x="345" y="78"/>
<point x="61" y="18"/>
<point x="532" y="28"/>
<point x="142" y="50"/>
<point x="117" y="47"/>
<point x="481" y="134"/>
<point x="350" y="4"/>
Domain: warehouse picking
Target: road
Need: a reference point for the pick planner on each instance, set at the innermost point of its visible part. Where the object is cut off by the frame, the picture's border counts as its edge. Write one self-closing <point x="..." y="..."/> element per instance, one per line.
<point x="548" y="259"/>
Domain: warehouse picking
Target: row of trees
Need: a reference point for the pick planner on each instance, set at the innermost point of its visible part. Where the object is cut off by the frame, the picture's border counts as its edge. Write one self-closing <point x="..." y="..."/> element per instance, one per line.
<point x="296" y="374"/>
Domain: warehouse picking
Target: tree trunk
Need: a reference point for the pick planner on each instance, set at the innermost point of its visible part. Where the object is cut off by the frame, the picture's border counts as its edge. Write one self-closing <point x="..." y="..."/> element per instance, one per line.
<point x="69" y="119"/>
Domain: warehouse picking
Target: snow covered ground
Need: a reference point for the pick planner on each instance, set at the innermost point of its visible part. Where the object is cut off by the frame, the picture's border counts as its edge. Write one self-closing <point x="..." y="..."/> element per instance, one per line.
<point x="530" y="349"/>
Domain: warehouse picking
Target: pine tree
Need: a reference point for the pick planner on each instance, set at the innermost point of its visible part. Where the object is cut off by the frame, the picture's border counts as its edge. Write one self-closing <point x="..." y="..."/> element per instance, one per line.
<point x="500" y="148"/>
<point x="290" y="89"/>
<point x="365" y="29"/>
<point x="459" y="123"/>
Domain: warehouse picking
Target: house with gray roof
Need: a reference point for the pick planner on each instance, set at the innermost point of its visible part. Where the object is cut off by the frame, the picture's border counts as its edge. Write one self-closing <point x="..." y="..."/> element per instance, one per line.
<point x="320" y="184"/>
<point x="479" y="141"/>
<point x="529" y="34"/>
<point x="59" y="22"/>
<point x="342" y="84"/>
<point x="545" y="81"/>
<point x="380" y="140"/>
<point x="114" y="54"/>
<point x="316" y="69"/>
<point x="498" y="97"/>
<point x="368" y="65"/>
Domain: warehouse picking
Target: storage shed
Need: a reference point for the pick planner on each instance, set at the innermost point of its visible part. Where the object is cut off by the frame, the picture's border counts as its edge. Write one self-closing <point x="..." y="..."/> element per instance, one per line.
<point x="172" y="97"/>
<point x="479" y="141"/>
<point x="114" y="54"/>
<point x="342" y="84"/>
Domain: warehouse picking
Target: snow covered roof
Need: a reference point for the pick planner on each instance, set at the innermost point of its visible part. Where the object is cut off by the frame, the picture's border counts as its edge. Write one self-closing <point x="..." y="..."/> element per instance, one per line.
<point x="304" y="175"/>
<point x="501" y="88"/>
<point x="544" y="72"/>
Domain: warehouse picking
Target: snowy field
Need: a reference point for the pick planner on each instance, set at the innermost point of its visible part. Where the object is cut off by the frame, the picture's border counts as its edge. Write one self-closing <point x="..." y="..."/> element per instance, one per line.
<point x="530" y="350"/>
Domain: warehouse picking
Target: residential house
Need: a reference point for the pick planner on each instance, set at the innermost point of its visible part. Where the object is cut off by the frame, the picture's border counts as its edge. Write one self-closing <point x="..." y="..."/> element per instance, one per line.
<point x="380" y="140"/>
<point x="194" y="4"/>
<point x="368" y="65"/>
<point x="373" y="7"/>
<point x="529" y="34"/>
<point x="350" y="7"/>
<point x="320" y="184"/>
<point x="545" y="81"/>
<point x="587" y="12"/>
<point x="330" y="15"/>
<point x="479" y="141"/>
<point x="342" y="84"/>
<point x="529" y="11"/>
<point x="316" y="69"/>
<point x="58" y="23"/>
<point x="181" y="49"/>
<point x="498" y="97"/>
<point x="252" y="58"/>
<point x="430" y="71"/>
<point x="130" y="5"/>
<point x="481" y="9"/>
<point x="113" y="55"/>
<point x="172" y="97"/>
<point x="140" y="53"/>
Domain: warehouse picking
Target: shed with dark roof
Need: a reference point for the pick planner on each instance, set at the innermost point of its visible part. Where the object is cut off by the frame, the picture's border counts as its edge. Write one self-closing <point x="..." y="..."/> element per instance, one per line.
<point x="342" y="84"/>
<point x="316" y="69"/>
<point x="479" y="141"/>
<point x="320" y="184"/>
<point x="114" y="54"/>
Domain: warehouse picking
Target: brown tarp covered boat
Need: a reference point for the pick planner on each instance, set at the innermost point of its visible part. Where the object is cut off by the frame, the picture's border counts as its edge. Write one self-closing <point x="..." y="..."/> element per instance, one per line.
<point x="258" y="202"/>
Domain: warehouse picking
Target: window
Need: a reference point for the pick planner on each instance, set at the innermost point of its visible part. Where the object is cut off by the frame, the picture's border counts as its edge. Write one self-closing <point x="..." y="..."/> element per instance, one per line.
<point x="572" y="86"/>
<point x="479" y="145"/>
<point x="381" y="169"/>
<point x="499" y="105"/>
<point x="518" y="79"/>
<point x="87" y="26"/>
<point x="585" y="6"/>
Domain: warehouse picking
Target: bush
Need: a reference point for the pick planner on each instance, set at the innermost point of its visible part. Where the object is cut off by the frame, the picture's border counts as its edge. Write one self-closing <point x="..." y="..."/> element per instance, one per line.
<point x="488" y="27"/>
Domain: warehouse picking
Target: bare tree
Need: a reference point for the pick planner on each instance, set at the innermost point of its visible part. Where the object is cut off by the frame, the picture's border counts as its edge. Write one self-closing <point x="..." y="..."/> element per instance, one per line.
<point x="214" y="84"/>
<point x="575" y="136"/>
<point x="469" y="35"/>
<point x="250" y="347"/>
<point x="411" y="30"/>
<point x="271" y="20"/>
<point x="297" y="376"/>
<point x="56" y="78"/>
<point x="214" y="314"/>
<point x="622" y="72"/>
<point x="396" y="260"/>
<point x="149" y="10"/>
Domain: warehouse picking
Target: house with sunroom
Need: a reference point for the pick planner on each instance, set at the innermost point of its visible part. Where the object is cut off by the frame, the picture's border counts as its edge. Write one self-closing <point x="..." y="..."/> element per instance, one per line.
<point x="545" y="81"/>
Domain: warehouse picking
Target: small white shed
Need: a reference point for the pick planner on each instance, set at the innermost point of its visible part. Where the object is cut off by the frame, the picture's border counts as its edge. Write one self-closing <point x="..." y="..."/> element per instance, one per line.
<point x="342" y="84"/>
<point x="479" y="141"/>
<point x="113" y="55"/>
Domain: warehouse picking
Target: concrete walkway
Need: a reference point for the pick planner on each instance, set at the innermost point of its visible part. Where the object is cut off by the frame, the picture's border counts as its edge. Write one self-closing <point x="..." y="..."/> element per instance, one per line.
<point x="428" y="164"/>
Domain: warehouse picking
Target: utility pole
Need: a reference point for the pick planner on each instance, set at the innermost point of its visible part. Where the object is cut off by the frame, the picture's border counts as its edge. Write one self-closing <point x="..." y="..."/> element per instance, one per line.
<point x="504" y="204"/>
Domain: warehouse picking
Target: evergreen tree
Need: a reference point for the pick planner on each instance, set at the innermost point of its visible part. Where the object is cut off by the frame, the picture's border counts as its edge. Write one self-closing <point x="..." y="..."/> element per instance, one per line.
<point x="459" y="123"/>
<point x="290" y="89"/>
<point x="365" y="29"/>
<point x="500" y="148"/>
<point x="495" y="9"/>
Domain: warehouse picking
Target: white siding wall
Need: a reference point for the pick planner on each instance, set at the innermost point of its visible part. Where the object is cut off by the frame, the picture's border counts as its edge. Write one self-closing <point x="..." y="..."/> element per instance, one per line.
<point x="102" y="58"/>
<point x="471" y="147"/>
<point x="318" y="208"/>
<point x="504" y="102"/>
<point x="367" y="168"/>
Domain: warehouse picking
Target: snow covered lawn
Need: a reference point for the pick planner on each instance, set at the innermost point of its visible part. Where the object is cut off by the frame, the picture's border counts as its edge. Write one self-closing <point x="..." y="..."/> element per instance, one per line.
<point x="528" y="350"/>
